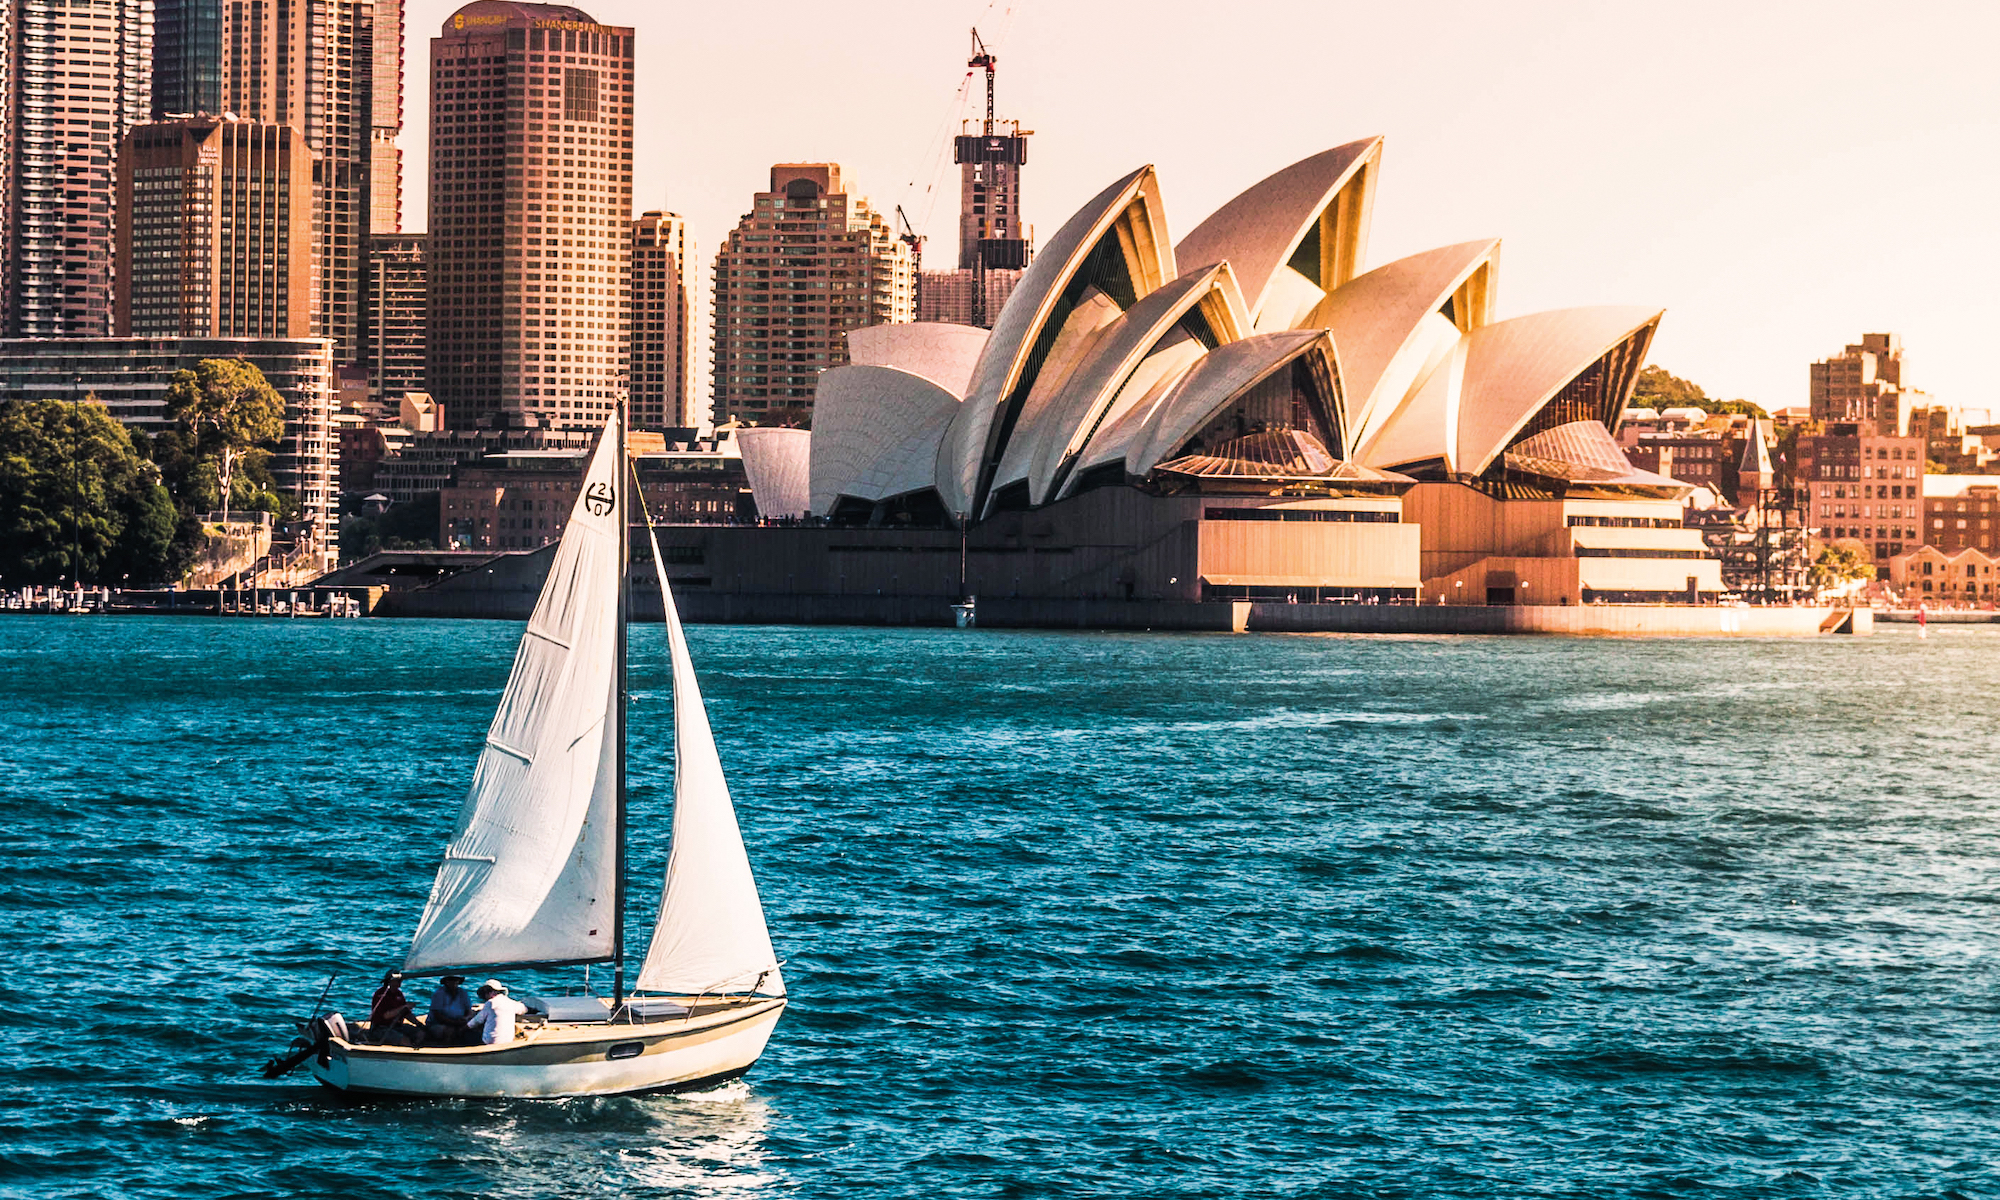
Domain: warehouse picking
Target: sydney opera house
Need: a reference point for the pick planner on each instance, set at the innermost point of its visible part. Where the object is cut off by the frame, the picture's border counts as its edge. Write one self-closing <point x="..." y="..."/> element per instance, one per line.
<point x="1249" y="413"/>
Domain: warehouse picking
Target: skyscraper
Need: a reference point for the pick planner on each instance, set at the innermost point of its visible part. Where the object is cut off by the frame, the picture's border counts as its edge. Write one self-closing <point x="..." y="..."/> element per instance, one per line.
<point x="807" y="264"/>
<point x="989" y="160"/>
<point x="385" y="170"/>
<point x="77" y="78"/>
<point x="330" y="69"/>
<point x="392" y="328"/>
<point x="993" y="245"/>
<point x="530" y="214"/>
<point x="214" y="231"/>
<point x="662" y="322"/>
<point x="187" y="58"/>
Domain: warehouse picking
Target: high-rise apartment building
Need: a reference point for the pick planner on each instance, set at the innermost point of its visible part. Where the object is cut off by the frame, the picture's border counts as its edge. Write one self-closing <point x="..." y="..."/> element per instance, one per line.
<point x="76" y="79"/>
<point x="808" y="263"/>
<point x="530" y="214"/>
<point x="385" y="169"/>
<point x="214" y="231"/>
<point x="328" y="68"/>
<point x="392" y="327"/>
<point x="662" y="323"/>
<point x="130" y="378"/>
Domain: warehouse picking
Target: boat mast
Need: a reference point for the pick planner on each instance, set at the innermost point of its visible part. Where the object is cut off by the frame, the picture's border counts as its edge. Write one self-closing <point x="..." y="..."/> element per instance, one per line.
<point x="624" y="597"/>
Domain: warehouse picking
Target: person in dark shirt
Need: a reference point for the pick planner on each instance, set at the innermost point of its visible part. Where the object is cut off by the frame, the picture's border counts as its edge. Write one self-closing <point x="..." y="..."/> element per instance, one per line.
<point x="451" y="1009"/>
<point x="391" y="1017"/>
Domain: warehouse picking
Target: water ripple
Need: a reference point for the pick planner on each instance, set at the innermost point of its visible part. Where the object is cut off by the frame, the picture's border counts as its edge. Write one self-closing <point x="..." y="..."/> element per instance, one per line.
<point x="1089" y="915"/>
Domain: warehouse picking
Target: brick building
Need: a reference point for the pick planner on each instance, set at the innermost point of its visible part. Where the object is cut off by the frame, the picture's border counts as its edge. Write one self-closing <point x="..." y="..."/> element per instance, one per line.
<point x="1959" y="577"/>
<point x="521" y="499"/>
<point x="1863" y="486"/>
<point x="1960" y="512"/>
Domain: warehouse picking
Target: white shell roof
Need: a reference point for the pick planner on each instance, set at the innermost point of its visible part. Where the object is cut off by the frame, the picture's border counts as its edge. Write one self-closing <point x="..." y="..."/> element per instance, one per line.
<point x="1425" y="426"/>
<point x="875" y="434"/>
<point x="966" y="443"/>
<point x="943" y="353"/>
<point x="1513" y="368"/>
<point x="1081" y="406"/>
<point x="1122" y="385"/>
<point x="1257" y="232"/>
<point x="1375" y="318"/>
<point x="1218" y="379"/>
<point x="777" y="463"/>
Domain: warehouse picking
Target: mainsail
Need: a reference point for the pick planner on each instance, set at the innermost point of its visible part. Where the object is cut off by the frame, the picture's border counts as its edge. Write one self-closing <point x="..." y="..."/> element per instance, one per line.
<point x="531" y="874"/>
<point x="711" y="934"/>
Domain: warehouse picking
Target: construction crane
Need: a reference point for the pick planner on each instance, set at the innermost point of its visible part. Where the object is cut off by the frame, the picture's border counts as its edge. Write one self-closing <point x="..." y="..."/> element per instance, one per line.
<point x="982" y="57"/>
<point x="914" y="240"/>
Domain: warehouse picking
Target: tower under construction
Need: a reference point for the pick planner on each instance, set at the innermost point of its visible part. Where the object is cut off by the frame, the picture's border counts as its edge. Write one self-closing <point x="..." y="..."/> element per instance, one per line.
<point x="992" y="238"/>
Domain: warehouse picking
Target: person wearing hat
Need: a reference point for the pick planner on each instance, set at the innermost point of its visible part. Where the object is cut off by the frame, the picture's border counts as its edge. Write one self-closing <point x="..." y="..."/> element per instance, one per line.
<point x="494" y="1018"/>
<point x="450" y="1015"/>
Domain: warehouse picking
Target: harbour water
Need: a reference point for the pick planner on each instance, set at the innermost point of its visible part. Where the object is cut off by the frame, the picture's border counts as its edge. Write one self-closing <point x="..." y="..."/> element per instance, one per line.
<point x="1065" y="914"/>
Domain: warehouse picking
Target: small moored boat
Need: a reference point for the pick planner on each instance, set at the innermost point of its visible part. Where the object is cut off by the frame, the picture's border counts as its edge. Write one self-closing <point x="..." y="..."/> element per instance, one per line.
<point x="535" y="875"/>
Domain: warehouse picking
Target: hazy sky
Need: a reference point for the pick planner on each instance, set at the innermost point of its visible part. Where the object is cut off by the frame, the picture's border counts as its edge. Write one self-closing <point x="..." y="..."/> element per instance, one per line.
<point x="1781" y="178"/>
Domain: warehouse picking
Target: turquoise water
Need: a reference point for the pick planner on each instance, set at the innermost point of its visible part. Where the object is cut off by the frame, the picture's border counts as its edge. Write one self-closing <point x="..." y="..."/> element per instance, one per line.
<point x="1066" y="914"/>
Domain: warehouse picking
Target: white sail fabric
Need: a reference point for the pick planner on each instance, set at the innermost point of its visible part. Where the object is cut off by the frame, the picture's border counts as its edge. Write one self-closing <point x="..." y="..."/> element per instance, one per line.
<point x="711" y="934"/>
<point x="531" y="874"/>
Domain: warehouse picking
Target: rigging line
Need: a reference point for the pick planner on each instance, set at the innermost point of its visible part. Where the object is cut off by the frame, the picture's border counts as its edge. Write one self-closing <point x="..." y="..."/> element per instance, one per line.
<point x="931" y="190"/>
<point x="938" y="141"/>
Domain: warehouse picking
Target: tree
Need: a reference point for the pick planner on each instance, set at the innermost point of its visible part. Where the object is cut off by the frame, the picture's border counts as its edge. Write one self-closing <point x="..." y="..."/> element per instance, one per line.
<point x="229" y="412"/>
<point x="409" y="526"/>
<point x="78" y="502"/>
<point x="1838" y="563"/>
<point x="1657" y="388"/>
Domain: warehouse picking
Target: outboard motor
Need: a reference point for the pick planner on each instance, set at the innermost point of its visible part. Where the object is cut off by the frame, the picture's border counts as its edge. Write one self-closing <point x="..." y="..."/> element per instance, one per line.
<point x="315" y="1038"/>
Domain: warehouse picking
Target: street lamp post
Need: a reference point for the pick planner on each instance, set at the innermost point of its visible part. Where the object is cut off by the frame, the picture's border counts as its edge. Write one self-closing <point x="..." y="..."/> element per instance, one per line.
<point x="75" y="479"/>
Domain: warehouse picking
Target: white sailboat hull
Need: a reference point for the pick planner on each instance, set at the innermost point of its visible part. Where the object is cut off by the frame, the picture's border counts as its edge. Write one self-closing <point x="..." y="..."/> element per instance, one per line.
<point x="558" y="1059"/>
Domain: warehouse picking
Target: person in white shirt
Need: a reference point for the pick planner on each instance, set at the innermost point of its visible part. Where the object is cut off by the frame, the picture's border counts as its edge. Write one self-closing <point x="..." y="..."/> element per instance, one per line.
<point x="493" y="1020"/>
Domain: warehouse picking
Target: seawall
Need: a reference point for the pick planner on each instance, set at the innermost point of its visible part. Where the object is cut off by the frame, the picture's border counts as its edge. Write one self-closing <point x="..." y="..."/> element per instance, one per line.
<point x="515" y="602"/>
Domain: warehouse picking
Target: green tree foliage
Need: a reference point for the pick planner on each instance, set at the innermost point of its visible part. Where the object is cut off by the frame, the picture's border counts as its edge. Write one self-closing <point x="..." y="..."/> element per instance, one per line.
<point x="227" y="401"/>
<point x="1657" y="388"/>
<point x="228" y="418"/>
<point x="1840" y="562"/>
<point x="78" y="501"/>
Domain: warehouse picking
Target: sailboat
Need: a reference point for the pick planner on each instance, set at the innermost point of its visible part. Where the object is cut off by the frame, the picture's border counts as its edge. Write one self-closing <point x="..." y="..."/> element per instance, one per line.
<point x="535" y="875"/>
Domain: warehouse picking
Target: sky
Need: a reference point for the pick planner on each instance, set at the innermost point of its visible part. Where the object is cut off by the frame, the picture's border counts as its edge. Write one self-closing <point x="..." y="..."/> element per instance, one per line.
<point x="1780" y="177"/>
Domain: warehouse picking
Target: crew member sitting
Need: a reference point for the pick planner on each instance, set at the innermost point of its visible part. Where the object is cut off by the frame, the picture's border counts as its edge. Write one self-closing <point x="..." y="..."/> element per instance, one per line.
<point x="448" y="1022"/>
<point x="391" y="1019"/>
<point x="494" y="1018"/>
